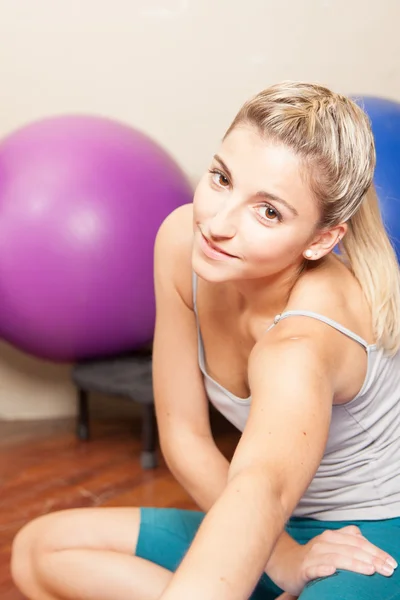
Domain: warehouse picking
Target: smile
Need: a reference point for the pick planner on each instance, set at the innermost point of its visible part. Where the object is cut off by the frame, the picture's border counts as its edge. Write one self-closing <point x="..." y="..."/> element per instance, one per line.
<point x="213" y="251"/>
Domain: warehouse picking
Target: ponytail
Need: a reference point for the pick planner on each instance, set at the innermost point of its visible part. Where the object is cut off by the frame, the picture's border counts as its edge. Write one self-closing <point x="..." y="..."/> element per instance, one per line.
<point x="371" y="257"/>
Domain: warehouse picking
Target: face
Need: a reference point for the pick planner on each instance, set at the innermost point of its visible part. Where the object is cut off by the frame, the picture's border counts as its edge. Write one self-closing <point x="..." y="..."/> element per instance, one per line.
<point x="254" y="213"/>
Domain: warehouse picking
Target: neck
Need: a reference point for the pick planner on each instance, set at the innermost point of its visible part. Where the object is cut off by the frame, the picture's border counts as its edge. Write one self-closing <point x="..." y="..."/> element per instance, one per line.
<point x="267" y="295"/>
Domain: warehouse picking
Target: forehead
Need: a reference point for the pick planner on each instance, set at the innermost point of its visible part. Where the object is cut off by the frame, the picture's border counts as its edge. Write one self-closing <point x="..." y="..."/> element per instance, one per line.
<point x="259" y="164"/>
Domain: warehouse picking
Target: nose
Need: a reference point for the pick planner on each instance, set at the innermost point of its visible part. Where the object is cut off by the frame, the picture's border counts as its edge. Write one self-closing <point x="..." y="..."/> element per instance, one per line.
<point x="222" y="226"/>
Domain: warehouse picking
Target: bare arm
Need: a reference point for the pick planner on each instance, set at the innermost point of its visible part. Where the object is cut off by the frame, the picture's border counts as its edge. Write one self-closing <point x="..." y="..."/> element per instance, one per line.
<point x="181" y="403"/>
<point x="275" y="461"/>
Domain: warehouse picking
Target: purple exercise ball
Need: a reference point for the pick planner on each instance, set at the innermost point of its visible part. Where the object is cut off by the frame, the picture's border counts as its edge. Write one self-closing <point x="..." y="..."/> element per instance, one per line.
<point x="81" y="200"/>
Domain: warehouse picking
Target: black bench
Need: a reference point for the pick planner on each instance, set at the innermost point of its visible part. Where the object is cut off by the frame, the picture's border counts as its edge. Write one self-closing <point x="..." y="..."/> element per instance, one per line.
<point x="128" y="375"/>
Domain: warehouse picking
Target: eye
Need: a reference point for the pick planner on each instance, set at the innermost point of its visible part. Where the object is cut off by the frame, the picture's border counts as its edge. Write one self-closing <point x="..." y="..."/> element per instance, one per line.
<point x="218" y="178"/>
<point x="269" y="213"/>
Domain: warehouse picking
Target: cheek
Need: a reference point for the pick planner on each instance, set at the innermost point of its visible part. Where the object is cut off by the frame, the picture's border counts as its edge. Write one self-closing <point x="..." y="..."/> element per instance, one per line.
<point x="201" y="198"/>
<point x="278" y="243"/>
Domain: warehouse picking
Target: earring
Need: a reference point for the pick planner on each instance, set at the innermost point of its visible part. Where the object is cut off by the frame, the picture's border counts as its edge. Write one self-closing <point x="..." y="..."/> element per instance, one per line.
<point x="308" y="253"/>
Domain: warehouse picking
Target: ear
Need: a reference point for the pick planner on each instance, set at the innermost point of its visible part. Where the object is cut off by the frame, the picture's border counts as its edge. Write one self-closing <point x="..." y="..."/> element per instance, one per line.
<point x="325" y="241"/>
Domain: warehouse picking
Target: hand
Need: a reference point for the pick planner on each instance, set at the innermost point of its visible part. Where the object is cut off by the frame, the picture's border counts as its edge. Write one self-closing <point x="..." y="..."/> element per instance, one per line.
<point x="344" y="548"/>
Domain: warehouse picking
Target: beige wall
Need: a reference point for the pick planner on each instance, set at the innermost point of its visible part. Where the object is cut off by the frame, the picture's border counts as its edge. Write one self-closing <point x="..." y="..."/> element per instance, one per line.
<point x="178" y="69"/>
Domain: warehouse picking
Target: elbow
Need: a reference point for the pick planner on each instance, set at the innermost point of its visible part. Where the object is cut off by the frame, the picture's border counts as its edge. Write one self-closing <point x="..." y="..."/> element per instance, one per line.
<point x="175" y="451"/>
<point x="170" y="451"/>
<point x="175" y="461"/>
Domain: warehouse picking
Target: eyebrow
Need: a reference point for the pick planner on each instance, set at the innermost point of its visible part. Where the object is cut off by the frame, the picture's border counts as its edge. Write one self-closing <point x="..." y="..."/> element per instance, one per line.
<point x="261" y="194"/>
<point x="223" y="165"/>
<point x="279" y="200"/>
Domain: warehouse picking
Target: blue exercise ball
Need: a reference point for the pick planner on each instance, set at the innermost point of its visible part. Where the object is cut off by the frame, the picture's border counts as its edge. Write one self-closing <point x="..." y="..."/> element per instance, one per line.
<point x="385" y="119"/>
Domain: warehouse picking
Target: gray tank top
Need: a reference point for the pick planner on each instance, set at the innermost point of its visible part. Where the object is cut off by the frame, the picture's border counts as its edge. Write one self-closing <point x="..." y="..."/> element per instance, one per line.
<point x="359" y="475"/>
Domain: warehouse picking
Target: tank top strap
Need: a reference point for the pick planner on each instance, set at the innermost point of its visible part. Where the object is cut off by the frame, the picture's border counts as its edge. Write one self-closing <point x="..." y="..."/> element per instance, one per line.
<point x="318" y="317"/>
<point x="194" y="291"/>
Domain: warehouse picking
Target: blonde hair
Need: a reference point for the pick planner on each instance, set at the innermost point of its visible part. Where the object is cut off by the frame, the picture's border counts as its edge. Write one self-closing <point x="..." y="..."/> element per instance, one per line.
<point x="333" y="137"/>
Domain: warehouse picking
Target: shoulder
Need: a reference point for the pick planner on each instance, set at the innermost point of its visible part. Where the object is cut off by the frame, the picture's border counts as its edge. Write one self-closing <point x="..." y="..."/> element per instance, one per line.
<point x="173" y="251"/>
<point x="329" y="290"/>
<point x="322" y="286"/>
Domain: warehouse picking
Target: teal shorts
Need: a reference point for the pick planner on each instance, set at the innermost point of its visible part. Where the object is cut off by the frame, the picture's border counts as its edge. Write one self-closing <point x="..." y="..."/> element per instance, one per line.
<point x="166" y="534"/>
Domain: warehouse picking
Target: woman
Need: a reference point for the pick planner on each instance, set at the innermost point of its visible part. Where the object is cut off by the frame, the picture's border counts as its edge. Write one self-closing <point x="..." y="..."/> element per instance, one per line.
<point x="296" y="347"/>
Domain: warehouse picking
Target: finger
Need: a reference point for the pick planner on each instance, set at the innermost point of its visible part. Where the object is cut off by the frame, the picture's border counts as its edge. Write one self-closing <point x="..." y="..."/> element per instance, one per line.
<point x="344" y="554"/>
<point x="319" y="570"/>
<point x="349" y="558"/>
<point x="351" y="529"/>
<point x="380" y="557"/>
<point x="329" y="563"/>
<point x="287" y="596"/>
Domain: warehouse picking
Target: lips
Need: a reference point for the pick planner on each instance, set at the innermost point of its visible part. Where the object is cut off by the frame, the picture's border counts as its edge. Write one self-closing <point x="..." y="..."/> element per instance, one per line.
<point x="217" y="248"/>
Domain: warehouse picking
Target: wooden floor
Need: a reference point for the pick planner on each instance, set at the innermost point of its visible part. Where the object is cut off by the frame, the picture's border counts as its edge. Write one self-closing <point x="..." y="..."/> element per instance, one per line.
<point x="44" y="468"/>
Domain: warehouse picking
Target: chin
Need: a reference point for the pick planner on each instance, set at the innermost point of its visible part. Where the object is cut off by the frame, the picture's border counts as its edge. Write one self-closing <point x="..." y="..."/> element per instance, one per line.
<point x="212" y="271"/>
